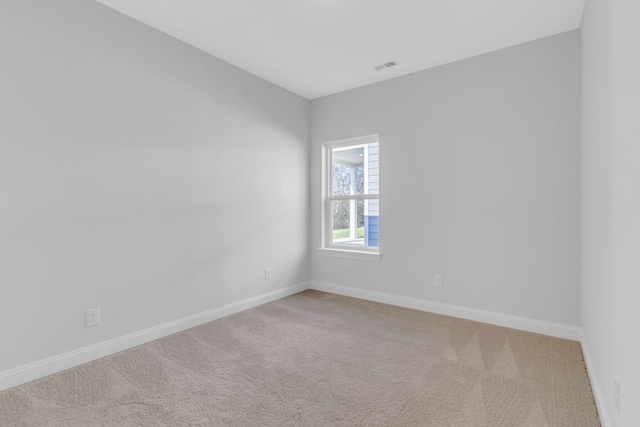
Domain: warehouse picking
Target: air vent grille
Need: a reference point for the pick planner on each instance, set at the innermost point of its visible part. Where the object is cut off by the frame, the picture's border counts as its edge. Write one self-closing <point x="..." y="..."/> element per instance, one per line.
<point x="385" y="65"/>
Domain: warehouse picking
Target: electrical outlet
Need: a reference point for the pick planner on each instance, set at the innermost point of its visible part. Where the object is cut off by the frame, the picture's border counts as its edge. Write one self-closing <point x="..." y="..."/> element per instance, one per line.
<point x="437" y="282"/>
<point x="93" y="317"/>
<point x="267" y="273"/>
<point x="616" y="393"/>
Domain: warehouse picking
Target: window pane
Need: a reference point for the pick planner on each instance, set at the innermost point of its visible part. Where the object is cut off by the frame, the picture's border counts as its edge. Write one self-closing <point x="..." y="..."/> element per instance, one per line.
<point x="354" y="170"/>
<point x="355" y="222"/>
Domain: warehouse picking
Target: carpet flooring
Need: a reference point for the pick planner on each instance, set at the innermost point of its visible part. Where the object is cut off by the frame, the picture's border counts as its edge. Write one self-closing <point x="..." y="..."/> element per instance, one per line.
<point x="317" y="359"/>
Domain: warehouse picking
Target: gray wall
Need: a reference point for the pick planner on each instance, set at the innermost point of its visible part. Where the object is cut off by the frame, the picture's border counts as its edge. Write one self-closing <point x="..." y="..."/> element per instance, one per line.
<point x="138" y="175"/>
<point x="611" y="206"/>
<point x="480" y="181"/>
<point x="597" y="125"/>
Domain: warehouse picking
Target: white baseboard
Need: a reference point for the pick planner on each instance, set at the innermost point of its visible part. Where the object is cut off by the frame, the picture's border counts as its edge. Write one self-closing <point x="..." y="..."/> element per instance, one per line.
<point x="595" y="385"/>
<point x="42" y="368"/>
<point x="493" y="318"/>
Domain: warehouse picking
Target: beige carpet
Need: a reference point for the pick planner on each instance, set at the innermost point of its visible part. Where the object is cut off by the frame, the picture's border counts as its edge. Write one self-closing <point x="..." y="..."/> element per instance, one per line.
<point x="317" y="359"/>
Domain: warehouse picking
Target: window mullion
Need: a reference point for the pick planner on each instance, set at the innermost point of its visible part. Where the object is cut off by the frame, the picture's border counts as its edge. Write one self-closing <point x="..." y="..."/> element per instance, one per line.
<point x="355" y="197"/>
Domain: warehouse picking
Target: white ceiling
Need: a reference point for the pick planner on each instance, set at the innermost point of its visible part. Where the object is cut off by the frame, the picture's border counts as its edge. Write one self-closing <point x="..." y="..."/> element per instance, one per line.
<point x="319" y="47"/>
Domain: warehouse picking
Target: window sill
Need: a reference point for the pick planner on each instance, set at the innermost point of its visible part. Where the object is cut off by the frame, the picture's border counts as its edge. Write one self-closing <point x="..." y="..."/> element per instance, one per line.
<point x="346" y="253"/>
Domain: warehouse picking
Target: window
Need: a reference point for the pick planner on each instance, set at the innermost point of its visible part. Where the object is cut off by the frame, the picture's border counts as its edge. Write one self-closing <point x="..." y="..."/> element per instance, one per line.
<point x="351" y="198"/>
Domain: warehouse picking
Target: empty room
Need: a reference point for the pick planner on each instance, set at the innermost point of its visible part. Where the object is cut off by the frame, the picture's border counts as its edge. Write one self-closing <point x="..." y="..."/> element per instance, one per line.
<point x="320" y="213"/>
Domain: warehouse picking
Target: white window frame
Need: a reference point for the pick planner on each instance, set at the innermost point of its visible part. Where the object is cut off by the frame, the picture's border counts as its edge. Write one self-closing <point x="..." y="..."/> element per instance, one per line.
<point x="328" y="248"/>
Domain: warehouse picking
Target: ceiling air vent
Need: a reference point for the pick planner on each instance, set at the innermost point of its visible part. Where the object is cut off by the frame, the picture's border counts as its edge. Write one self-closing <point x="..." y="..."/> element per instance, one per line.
<point x="386" y="65"/>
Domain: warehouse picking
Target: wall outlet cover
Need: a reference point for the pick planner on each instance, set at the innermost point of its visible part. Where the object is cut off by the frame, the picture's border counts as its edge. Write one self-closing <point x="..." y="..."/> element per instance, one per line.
<point x="92" y="317"/>
<point x="438" y="281"/>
